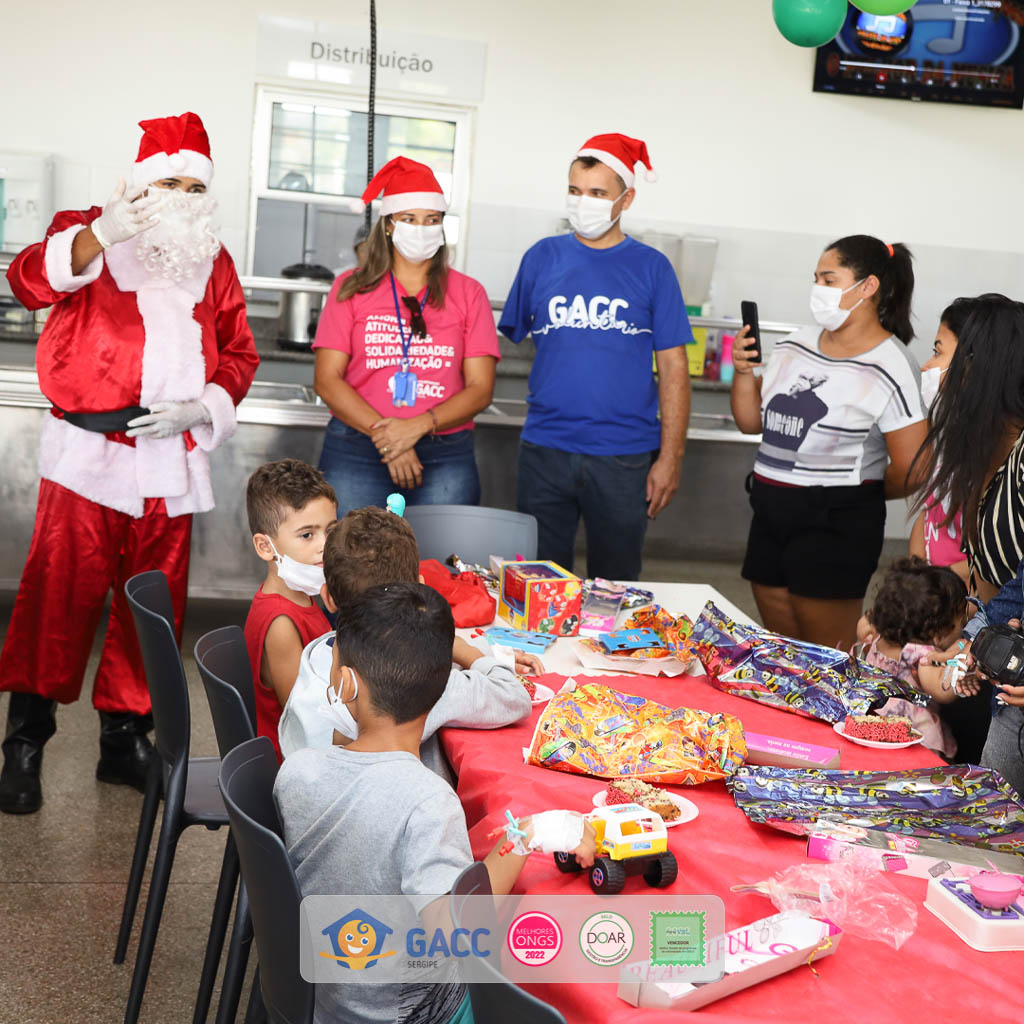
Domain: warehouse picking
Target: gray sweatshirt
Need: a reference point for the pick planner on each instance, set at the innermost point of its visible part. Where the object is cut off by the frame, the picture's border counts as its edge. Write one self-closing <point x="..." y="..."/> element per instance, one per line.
<point x="358" y="823"/>
<point x="486" y="696"/>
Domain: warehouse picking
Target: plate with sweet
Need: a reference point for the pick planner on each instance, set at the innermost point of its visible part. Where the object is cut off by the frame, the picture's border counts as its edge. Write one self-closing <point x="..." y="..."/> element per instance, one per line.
<point x="539" y="693"/>
<point x="674" y="810"/>
<point x="883" y="732"/>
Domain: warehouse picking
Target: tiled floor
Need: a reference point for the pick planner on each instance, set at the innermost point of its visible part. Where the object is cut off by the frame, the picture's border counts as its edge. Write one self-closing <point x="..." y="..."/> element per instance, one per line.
<point x="63" y="870"/>
<point x="63" y="873"/>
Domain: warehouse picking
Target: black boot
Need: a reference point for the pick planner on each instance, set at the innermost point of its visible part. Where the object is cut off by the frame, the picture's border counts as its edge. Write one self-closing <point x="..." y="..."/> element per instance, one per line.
<point x="31" y="721"/>
<point x="125" y="750"/>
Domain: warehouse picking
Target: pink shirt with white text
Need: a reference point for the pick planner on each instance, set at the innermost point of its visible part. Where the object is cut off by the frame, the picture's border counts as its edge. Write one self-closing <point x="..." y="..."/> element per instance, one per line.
<point x="366" y="327"/>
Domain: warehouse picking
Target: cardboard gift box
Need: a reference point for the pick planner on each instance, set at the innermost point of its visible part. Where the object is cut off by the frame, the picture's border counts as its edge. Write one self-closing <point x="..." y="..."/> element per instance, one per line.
<point x="540" y="596"/>
<point x="778" y="752"/>
<point x="752" y="954"/>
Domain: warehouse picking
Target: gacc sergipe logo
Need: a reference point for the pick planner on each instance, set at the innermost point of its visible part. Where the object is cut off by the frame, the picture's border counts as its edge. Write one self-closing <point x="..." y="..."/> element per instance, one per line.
<point x="358" y="940"/>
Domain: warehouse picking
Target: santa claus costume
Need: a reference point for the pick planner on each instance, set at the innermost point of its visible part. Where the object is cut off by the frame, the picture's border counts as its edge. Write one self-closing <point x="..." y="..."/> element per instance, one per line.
<point x="144" y="358"/>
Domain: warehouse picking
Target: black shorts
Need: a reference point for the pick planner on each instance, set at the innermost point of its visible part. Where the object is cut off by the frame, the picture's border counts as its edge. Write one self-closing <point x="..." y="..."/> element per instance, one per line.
<point x="821" y="542"/>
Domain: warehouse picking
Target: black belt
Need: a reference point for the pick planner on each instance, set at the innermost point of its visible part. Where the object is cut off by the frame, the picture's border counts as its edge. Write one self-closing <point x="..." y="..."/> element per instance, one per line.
<point x="113" y="422"/>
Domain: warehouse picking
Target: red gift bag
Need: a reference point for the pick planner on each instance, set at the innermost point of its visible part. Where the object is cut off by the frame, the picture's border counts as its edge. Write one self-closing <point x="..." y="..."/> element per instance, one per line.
<point x="466" y="593"/>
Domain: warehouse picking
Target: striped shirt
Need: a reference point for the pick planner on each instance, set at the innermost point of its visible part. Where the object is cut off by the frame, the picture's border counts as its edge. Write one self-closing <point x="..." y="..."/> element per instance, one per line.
<point x="1000" y="545"/>
<point x="824" y="420"/>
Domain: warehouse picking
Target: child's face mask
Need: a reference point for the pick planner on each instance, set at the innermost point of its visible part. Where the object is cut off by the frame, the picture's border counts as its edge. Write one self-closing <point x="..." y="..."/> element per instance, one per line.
<point x="307" y="579"/>
<point x="336" y="710"/>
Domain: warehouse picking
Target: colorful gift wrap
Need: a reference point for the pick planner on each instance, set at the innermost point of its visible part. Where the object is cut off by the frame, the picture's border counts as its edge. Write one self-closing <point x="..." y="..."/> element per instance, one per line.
<point x="957" y="803"/>
<point x="595" y="730"/>
<point x="540" y="596"/>
<point x="818" y="682"/>
<point x="674" y="637"/>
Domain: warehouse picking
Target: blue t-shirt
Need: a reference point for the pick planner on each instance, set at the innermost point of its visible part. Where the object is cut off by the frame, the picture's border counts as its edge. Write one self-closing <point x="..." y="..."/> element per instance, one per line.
<point x="596" y="316"/>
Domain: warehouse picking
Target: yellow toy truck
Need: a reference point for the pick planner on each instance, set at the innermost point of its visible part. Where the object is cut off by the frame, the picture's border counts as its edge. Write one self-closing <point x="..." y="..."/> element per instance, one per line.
<point x="631" y="840"/>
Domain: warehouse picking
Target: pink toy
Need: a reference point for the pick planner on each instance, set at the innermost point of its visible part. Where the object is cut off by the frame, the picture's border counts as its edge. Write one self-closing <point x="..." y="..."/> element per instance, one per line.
<point x="995" y="890"/>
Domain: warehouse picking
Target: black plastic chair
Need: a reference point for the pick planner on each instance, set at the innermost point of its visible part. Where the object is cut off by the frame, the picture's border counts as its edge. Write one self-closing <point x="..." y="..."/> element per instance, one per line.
<point x="247" y="781"/>
<point x="191" y="796"/>
<point x="223" y="660"/>
<point x="497" y="1001"/>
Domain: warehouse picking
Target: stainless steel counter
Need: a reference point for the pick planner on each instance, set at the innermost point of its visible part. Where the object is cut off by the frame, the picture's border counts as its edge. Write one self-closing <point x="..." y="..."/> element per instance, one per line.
<point x="708" y="519"/>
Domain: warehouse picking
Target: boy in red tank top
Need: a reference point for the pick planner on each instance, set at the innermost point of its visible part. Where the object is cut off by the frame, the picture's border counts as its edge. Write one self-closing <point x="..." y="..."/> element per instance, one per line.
<point x="291" y="507"/>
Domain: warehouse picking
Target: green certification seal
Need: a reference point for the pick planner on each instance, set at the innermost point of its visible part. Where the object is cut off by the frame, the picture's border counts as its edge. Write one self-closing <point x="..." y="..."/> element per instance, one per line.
<point x="677" y="939"/>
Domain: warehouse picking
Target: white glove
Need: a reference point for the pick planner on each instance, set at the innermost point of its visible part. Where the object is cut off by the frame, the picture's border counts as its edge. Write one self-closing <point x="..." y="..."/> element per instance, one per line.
<point x="125" y="215"/>
<point x="168" y="418"/>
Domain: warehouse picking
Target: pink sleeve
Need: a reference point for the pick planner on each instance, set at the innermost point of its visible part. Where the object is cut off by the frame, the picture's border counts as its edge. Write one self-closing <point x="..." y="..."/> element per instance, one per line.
<point x="334" y="328"/>
<point x="912" y="654"/>
<point x="481" y="336"/>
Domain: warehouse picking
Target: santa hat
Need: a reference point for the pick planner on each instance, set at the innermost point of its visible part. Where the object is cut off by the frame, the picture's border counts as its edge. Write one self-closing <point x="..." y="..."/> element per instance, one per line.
<point x="407" y="185"/>
<point x="173" y="147"/>
<point x="621" y="154"/>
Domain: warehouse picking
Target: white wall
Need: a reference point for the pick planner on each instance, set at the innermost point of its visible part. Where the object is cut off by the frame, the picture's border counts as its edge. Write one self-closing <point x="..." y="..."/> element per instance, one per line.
<point x="744" y="149"/>
<point x="725" y="103"/>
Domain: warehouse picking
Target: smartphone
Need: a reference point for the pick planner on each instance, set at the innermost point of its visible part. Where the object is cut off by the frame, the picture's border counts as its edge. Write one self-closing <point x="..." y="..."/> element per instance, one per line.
<point x="748" y="311"/>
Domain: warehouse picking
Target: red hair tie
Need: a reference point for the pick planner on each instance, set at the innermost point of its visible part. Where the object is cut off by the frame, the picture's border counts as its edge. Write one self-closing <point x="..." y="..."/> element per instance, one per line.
<point x="889" y="247"/>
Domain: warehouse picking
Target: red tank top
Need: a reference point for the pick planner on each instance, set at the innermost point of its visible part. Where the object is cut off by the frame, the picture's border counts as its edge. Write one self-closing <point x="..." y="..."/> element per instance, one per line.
<point x="310" y="622"/>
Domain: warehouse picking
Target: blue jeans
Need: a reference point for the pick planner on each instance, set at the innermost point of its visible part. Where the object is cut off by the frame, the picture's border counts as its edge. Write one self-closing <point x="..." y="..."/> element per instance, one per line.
<point x="353" y="468"/>
<point x="608" y="491"/>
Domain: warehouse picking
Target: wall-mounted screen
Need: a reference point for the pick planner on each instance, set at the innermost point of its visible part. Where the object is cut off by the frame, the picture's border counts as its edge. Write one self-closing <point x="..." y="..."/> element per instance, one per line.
<point x="947" y="51"/>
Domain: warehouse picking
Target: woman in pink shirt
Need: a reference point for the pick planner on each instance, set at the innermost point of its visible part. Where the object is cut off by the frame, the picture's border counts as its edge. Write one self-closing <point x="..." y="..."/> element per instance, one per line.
<point x="405" y="355"/>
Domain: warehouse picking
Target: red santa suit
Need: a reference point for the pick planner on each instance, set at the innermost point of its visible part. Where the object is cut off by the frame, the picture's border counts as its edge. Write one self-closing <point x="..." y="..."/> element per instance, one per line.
<point x="112" y="506"/>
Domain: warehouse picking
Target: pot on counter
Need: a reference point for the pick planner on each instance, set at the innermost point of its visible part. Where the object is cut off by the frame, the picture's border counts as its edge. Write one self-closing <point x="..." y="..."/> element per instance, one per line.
<point x="300" y="311"/>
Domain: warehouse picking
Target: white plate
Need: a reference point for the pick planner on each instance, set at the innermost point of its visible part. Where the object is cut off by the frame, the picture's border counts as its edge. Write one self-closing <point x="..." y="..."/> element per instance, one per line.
<point x="543" y="694"/>
<point x="688" y="810"/>
<point x="877" y="744"/>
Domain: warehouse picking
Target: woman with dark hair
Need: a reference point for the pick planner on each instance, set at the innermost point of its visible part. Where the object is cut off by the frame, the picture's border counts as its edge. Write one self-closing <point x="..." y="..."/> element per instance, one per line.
<point x="840" y="412"/>
<point x="973" y="455"/>
<point x="934" y="537"/>
<point x="974" y="458"/>
<point x="405" y="356"/>
<point x="938" y="538"/>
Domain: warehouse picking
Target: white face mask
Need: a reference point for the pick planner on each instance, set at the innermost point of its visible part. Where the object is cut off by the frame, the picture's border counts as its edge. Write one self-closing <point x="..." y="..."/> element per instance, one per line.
<point x="337" y="713"/>
<point x="308" y="579"/>
<point x="417" y="242"/>
<point x="825" y="306"/>
<point x="589" y="216"/>
<point x="931" y="381"/>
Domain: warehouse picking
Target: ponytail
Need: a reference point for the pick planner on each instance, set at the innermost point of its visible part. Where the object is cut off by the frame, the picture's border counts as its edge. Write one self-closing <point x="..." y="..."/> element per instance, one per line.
<point x="893" y="265"/>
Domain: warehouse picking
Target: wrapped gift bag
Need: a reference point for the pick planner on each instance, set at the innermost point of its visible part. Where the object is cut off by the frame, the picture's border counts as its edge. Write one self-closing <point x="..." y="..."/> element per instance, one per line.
<point x="818" y="682"/>
<point x="956" y="803"/>
<point x="595" y="730"/>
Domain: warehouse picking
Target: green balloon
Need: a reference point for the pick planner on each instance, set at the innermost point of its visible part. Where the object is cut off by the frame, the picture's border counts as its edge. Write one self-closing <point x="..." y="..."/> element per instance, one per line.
<point x="882" y="6"/>
<point x="809" y="22"/>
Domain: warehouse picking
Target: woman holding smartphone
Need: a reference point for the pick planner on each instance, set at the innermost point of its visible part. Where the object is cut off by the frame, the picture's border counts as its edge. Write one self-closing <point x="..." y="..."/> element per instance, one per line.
<point x="406" y="350"/>
<point x="839" y="409"/>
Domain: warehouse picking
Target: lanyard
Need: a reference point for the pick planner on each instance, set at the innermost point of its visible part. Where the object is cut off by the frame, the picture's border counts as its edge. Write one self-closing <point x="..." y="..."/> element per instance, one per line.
<point x="406" y="343"/>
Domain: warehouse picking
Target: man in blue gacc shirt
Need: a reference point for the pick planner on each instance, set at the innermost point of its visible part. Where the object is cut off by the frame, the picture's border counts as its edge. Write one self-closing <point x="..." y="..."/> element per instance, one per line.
<point x="599" y="305"/>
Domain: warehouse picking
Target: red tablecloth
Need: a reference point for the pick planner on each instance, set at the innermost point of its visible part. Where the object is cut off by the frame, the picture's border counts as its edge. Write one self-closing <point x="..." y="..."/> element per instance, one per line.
<point x="933" y="977"/>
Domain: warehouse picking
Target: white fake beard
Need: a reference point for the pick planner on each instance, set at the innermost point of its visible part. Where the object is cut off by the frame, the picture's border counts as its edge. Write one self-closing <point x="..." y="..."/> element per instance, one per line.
<point x="184" y="238"/>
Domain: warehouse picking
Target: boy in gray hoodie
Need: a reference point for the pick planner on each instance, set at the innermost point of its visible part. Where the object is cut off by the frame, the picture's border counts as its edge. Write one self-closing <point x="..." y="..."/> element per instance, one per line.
<point x="368" y="547"/>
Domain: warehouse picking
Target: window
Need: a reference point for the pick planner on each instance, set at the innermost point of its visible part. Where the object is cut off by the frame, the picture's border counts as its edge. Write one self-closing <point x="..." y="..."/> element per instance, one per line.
<point x="309" y="161"/>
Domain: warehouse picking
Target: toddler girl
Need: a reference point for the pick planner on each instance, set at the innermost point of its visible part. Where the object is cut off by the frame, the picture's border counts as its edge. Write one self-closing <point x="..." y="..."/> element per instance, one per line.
<point x="919" y="610"/>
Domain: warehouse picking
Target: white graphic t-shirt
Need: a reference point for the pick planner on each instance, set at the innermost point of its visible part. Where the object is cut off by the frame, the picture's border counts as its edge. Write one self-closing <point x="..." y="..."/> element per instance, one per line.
<point x="824" y="419"/>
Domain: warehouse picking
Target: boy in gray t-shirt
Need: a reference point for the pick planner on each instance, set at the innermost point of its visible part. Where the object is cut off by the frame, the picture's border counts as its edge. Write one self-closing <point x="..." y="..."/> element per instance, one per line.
<point x="370" y="818"/>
